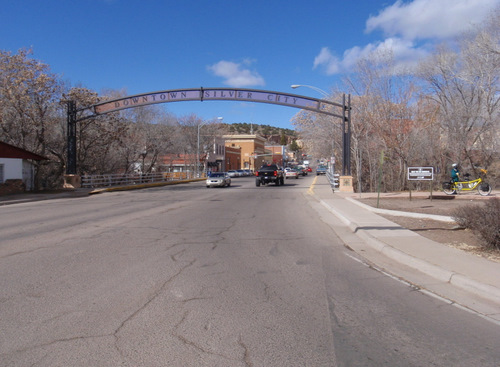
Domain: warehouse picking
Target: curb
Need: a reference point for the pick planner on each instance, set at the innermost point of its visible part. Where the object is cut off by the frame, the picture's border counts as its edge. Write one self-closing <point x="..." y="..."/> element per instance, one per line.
<point x="442" y="218"/>
<point x="447" y="276"/>
<point x="82" y="192"/>
<point x="143" y="186"/>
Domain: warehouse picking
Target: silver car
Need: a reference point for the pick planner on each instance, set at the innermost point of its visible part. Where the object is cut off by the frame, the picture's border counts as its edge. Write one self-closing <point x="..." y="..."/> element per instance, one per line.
<point x="218" y="179"/>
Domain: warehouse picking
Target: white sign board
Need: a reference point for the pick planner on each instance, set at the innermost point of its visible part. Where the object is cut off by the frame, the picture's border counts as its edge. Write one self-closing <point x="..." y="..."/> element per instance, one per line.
<point x="421" y="173"/>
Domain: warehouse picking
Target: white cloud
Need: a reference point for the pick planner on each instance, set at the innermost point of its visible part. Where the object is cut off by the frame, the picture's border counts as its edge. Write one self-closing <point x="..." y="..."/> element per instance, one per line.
<point x="405" y="23"/>
<point x="328" y="61"/>
<point x="237" y="75"/>
<point x="430" y="19"/>
<point x="404" y="52"/>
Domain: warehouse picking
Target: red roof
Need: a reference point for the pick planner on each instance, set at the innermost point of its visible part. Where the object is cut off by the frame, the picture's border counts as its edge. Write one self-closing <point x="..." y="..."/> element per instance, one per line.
<point x="10" y="151"/>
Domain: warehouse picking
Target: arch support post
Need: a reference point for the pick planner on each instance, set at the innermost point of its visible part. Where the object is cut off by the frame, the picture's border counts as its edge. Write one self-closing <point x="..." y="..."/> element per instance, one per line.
<point x="71" y="180"/>
<point x="345" y="180"/>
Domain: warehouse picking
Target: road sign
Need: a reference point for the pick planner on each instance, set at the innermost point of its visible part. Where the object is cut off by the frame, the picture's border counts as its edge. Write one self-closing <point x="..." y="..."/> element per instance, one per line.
<point x="421" y="173"/>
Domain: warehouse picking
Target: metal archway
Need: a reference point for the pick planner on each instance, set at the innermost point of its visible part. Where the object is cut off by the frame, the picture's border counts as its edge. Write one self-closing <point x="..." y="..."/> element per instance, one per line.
<point x="212" y="94"/>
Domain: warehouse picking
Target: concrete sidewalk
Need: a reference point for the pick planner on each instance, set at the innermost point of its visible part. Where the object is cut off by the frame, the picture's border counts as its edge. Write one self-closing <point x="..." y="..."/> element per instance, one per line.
<point x="438" y="266"/>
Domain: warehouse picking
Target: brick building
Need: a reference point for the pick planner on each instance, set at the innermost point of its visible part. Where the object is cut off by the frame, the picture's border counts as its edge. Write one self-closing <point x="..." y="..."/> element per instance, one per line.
<point x="232" y="152"/>
<point x="252" y="150"/>
<point x="277" y="154"/>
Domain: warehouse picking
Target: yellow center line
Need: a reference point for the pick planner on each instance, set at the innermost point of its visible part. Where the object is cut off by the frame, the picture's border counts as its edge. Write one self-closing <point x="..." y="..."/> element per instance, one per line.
<point x="311" y="188"/>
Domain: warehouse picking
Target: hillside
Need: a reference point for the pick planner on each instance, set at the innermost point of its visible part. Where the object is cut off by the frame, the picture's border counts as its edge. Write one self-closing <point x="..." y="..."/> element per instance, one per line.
<point x="270" y="133"/>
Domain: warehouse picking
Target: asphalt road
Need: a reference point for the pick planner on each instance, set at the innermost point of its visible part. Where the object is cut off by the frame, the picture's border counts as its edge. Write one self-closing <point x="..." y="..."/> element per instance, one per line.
<point x="189" y="276"/>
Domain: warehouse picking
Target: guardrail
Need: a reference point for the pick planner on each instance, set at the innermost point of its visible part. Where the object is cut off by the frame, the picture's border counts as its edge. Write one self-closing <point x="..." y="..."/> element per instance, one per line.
<point x="333" y="179"/>
<point x="95" y="181"/>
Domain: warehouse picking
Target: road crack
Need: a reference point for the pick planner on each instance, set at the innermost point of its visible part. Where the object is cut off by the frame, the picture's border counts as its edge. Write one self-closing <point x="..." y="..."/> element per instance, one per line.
<point x="177" y="334"/>
<point x="160" y="290"/>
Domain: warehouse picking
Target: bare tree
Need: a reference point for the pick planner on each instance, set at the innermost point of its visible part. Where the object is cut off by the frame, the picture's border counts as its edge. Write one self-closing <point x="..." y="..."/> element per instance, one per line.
<point x="98" y="138"/>
<point x="29" y="93"/>
<point x="384" y="120"/>
<point x="464" y="84"/>
<point x="195" y="137"/>
<point x="317" y="132"/>
<point x="149" y="135"/>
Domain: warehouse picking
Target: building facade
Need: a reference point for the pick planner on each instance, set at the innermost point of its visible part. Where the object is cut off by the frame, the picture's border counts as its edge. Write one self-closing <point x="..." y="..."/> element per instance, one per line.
<point x="252" y="150"/>
<point x="277" y="154"/>
<point x="17" y="169"/>
<point x="231" y="152"/>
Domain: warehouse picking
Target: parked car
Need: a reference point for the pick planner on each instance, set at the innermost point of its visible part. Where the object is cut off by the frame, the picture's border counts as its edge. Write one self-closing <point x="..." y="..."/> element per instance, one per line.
<point x="291" y="173"/>
<point x="218" y="179"/>
<point x="232" y="173"/>
<point x="321" y="170"/>
<point x="302" y="170"/>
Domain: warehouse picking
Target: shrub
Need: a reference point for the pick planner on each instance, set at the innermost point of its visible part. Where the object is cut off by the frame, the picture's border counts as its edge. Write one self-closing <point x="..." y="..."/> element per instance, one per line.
<point x="482" y="220"/>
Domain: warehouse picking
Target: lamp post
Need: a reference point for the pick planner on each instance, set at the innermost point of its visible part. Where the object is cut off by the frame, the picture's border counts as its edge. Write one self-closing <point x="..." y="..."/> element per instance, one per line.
<point x="198" y="150"/>
<point x="198" y="147"/>
<point x="222" y="165"/>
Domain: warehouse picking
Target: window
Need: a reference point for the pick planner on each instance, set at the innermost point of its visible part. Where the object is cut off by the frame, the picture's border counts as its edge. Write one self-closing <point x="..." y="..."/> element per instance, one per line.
<point x="1" y="173"/>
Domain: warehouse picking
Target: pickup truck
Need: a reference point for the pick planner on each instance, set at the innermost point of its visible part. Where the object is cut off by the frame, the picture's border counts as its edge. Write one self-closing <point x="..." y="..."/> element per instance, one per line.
<point x="270" y="173"/>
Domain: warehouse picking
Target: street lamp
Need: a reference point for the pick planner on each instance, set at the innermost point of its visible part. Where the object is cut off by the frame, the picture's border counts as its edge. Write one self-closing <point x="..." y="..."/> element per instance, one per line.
<point x="198" y="150"/>
<point x="220" y="165"/>
<point x="198" y="146"/>
<point x="325" y="94"/>
<point x="144" y="153"/>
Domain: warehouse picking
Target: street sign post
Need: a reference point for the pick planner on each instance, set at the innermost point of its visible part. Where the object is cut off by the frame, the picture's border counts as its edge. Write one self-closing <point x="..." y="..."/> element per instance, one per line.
<point x="421" y="174"/>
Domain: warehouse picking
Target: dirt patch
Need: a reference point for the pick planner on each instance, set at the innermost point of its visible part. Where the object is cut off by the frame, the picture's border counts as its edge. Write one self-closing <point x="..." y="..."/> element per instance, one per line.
<point x="449" y="234"/>
<point x="438" y="205"/>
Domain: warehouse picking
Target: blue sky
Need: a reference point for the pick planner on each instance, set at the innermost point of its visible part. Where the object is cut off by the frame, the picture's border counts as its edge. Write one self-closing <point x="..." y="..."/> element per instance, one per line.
<point x="152" y="45"/>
